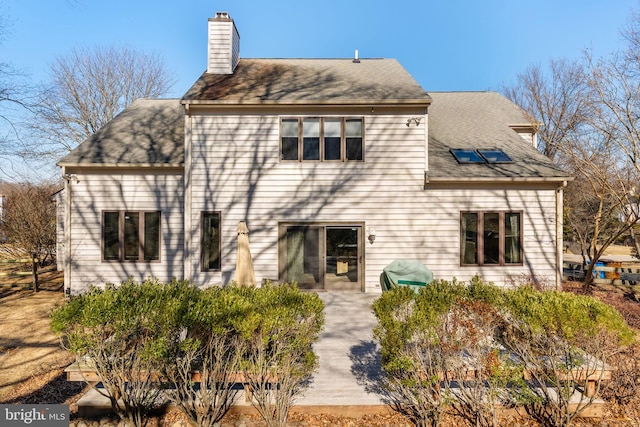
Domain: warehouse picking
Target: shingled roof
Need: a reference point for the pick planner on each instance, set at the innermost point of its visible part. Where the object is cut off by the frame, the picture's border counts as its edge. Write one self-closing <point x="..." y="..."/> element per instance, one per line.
<point x="482" y="120"/>
<point x="149" y="132"/>
<point x="304" y="81"/>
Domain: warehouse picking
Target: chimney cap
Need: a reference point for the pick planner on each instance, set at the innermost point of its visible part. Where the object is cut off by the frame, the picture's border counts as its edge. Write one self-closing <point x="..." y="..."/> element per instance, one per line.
<point x="222" y="15"/>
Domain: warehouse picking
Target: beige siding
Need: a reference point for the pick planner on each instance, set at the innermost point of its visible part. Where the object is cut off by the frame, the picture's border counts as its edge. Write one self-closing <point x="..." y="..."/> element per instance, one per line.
<point x="95" y="193"/>
<point x="224" y="47"/>
<point x="236" y="170"/>
<point x="529" y="137"/>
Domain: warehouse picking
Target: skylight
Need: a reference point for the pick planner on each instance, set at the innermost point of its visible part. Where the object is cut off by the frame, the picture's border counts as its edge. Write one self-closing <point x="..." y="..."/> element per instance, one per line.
<point x="467" y="156"/>
<point x="495" y="156"/>
<point x="480" y="156"/>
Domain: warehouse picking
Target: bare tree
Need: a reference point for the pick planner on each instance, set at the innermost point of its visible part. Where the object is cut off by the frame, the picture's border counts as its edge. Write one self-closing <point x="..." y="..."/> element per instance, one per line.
<point x="29" y="224"/>
<point x="8" y="92"/>
<point x="556" y="102"/>
<point x="14" y="101"/>
<point x="614" y="82"/>
<point x="600" y="207"/>
<point x="89" y="87"/>
<point x="587" y="116"/>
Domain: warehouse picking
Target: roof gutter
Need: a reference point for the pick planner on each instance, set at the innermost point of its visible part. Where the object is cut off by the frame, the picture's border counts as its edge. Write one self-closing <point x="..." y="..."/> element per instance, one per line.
<point x="360" y="102"/>
<point x="486" y="179"/>
<point x="164" y="166"/>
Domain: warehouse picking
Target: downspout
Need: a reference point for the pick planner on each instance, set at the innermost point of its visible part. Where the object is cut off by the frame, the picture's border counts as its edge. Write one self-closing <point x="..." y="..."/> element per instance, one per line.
<point x="426" y="141"/>
<point x="559" y="234"/>
<point x="426" y="149"/>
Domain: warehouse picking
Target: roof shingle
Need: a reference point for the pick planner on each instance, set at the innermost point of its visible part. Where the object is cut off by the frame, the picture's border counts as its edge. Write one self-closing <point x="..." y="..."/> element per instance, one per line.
<point x="149" y="132"/>
<point x="473" y="120"/>
<point x="317" y="81"/>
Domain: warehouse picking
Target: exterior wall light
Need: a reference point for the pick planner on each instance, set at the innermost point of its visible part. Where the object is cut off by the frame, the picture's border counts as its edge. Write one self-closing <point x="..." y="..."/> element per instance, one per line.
<point x="415" y="120"/>
<point x="372" y="235"/>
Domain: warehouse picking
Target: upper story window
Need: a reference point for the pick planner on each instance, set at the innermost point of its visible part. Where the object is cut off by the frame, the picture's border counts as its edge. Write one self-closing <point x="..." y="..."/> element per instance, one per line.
<point x="131" y="236"/>
<point x="490" y="238"/>
<point x="322" y="139"/>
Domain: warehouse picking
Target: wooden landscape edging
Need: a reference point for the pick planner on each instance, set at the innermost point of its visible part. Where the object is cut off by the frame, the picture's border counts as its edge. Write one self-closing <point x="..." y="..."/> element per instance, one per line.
<point x="84" y="373"/>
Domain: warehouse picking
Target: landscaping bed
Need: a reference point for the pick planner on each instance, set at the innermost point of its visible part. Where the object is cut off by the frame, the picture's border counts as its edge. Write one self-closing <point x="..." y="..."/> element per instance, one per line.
<point x="32" y="363"/>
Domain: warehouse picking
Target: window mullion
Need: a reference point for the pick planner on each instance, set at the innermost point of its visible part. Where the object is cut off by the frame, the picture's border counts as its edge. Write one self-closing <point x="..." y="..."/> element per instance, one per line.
<point x="321" y="139"/>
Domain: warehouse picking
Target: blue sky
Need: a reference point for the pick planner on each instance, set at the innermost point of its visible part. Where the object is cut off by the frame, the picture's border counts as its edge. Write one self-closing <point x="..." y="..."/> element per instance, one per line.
<point x="446" y="44"/>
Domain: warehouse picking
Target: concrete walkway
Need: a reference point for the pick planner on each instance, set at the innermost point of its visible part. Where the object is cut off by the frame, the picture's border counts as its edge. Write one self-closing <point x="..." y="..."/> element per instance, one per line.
<point x="349" y="358"/>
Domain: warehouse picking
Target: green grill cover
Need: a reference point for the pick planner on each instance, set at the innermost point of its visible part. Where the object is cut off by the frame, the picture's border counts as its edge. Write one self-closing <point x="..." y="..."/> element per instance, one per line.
<point x="405" y="272"/>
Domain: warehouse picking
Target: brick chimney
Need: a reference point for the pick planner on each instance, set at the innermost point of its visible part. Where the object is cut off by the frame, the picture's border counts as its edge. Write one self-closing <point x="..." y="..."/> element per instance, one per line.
<point x="224" y="45"/>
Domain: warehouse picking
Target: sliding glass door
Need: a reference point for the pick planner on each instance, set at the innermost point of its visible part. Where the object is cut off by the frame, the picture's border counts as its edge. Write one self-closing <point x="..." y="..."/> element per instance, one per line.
<point x="321" y="256"/>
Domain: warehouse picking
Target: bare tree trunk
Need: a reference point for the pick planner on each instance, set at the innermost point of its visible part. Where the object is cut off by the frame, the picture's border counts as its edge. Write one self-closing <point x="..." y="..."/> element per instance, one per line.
<point x="34" y="266"/>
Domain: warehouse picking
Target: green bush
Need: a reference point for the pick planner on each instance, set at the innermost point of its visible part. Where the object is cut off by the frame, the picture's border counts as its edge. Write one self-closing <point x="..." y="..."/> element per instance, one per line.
<point x="563" y="339"/>
<point x="203" y="342"/>
<point x="278" y="326"/>
<point x="417" y="349"/>
<point x="121" y="333"/>
<point x="141" y="336"/>
<point x="469" y="347"/>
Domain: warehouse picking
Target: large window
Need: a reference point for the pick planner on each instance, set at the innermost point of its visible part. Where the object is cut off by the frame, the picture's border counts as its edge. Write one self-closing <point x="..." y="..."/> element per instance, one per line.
<point x="131" y="236"/>
<point x="322" y="139"/>
<point x="210" y="244"/>
<point x="490" y="238"/>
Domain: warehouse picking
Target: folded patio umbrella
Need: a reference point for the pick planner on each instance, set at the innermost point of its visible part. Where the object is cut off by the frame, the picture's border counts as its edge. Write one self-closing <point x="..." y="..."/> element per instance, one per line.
<point x="244" y="264"/>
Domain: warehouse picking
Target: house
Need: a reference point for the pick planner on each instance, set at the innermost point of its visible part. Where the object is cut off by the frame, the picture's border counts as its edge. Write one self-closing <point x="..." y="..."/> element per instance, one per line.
<point x="337" y="166"/>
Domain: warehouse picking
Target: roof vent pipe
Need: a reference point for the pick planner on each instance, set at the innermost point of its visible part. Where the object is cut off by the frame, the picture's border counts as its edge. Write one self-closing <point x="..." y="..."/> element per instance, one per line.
<point x="355" y="58"/>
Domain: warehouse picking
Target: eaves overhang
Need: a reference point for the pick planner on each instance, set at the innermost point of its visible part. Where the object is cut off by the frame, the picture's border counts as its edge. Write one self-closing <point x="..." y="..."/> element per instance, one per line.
<point x="342" y="103"/>
<point x="121" y="166"/>
<point x="499" y="179"/>
<point x="434" y="182"/>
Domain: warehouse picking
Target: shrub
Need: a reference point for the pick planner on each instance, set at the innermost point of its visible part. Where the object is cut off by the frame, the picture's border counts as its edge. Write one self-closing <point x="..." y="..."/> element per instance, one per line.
<point x="411" y="332"/>
<point x="483" y="377"/>
<point x="139" y="338"/>
<point x="202" y="342"/>
<point x="278" y="327"/>
<point x="471" y="347"/>
<point x="121" y="334"/>
<point x="564" y="340"/>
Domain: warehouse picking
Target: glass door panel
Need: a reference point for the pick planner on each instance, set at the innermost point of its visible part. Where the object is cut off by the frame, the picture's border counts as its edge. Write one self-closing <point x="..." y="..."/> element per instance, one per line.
<point x="303" y="248"/>
<point x="321" y="256"/>
<point x="342" y="258"/>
